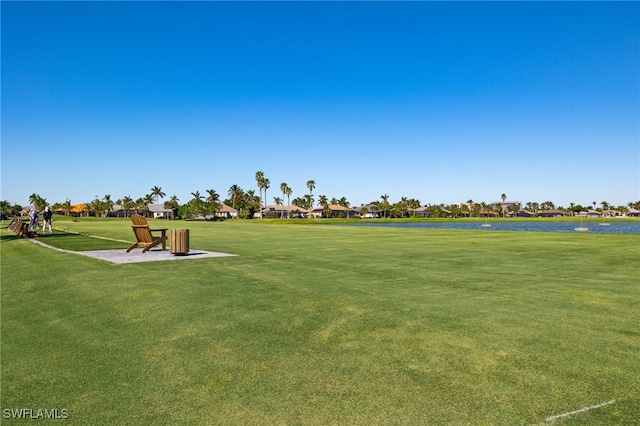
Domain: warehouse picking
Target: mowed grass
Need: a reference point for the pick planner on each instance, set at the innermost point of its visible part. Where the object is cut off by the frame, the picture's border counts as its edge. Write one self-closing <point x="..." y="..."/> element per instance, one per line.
<point x="316" y="324"/>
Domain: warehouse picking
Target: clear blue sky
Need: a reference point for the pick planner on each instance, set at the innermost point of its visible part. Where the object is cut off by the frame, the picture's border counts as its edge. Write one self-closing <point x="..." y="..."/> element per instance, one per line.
<point x="439" y="101"/>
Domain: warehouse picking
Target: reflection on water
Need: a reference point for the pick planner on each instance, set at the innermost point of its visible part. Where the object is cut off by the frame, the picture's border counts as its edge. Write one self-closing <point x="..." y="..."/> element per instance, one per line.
<point x="593" y="227"/>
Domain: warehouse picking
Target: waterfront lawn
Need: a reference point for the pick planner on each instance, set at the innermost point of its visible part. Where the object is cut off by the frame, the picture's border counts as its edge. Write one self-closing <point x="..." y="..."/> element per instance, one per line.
<point x="325" y="325"/>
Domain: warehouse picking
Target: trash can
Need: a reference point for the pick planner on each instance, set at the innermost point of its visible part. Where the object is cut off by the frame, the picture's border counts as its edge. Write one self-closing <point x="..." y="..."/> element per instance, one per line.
<point x="179" y="242"/>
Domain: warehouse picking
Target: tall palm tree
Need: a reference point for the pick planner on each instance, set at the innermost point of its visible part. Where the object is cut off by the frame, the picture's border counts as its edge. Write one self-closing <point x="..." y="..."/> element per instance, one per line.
<point x="288" y="192"/>
<point x="156" y="191"/>
<point x="260" y="184"/>
<point x="311" y="185"/>
<point x="266" y="184"/>
<point x="283" y="189"/>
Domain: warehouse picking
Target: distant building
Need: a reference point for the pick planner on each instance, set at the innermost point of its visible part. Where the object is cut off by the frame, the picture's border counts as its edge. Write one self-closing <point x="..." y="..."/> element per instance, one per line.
<point x="159" y="211"/>
<point x="227" y="212"/>
<point x="551" y="213"/>
<point x="506" y="205"/>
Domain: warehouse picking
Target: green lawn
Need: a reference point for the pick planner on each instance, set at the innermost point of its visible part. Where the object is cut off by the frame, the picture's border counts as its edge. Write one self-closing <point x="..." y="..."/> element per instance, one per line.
<point x="324" y="325"/>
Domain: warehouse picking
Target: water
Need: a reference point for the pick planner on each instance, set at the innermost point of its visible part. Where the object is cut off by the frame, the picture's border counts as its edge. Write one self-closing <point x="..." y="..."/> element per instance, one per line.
<point x="594" y="227"/>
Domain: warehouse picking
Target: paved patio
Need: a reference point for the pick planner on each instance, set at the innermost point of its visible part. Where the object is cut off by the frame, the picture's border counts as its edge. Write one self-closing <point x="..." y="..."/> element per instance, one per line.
<point x="136" y="256"/>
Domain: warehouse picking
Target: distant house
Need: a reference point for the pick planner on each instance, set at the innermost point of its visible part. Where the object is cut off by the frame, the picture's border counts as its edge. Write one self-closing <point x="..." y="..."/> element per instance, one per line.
<point x="336" y="211"/>
<point x="421" y="212"/>
<point x="279" y="210"/>
<point x="80" y="210"/>
<point x="634" y="212"/>
<point x="159" y="211"/>
<point x="611" y="213"/>
<point x="525" y="213"/>
<point x="117" y="211"/>
<point x="506" y="205"/>
<point x="489" y="213"/>
<point x="227" y="212"/>
<point x="371" y="212"/>
<point x="551" y="213"/>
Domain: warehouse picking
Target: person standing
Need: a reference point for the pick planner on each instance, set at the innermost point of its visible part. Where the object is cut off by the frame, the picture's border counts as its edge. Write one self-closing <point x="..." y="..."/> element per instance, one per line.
<point x="33" y="219"/>
<point x="48" y="217"/>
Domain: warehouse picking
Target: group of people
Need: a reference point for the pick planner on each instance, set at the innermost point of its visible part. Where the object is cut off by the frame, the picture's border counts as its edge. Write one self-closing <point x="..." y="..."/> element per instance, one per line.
<point x="34" y="217"/>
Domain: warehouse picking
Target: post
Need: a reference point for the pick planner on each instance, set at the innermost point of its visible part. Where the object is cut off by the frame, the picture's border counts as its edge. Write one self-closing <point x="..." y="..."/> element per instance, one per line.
<point x="179" y="242"/>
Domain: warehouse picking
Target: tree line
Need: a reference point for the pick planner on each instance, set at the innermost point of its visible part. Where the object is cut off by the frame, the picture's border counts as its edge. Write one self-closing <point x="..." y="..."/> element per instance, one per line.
<point x="248" y="203"/>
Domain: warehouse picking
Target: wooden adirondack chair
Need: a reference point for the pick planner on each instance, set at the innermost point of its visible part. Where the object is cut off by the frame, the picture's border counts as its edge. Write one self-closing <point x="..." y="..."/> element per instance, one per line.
<point x="143" y="234"/>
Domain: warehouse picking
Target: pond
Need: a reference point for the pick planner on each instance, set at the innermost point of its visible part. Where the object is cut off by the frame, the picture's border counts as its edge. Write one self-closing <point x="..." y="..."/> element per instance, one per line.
<point x="592" y="227"/>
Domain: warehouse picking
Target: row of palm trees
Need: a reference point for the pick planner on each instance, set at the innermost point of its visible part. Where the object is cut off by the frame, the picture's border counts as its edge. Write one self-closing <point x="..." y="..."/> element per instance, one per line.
<point x="247" y="203"/>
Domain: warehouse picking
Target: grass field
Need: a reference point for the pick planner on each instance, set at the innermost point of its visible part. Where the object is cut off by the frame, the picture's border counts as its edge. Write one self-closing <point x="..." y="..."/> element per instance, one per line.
<point x="324" y="325"/>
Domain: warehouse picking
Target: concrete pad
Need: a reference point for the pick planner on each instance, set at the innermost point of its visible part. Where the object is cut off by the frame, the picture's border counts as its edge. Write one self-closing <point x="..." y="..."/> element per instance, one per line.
<point x="136" y="256"/>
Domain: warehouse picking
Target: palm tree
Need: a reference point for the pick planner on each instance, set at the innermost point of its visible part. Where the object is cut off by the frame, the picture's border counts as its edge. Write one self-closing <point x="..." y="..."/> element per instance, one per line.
<point x="195" y="205"/>
<point x="66" y="206"/>
<point x="311" y="185"/>
<point x="250" y="202"/>
<point x="108" y="204"/>
<point x="213" y="201"/>
<point x="156" y="191"/>
<point x="173" y="205"/>
<point x="213" y="196"/>
<point x="301" y="202"/>
<point x="260" y="183"/>
<point x="344" y="203"/>
<point x="127" y="202"/>
<point x="38" y="202"/>
<point x="266" y="184"/>
<point x="283" y="189"/>
<point x="385" y="204"/>
<point x="278" y="202"/>
<point x="235" y="194"/>
<point x="288" y="192"/>
<point x="148" y="199"/>
<point x="324" y="202"/>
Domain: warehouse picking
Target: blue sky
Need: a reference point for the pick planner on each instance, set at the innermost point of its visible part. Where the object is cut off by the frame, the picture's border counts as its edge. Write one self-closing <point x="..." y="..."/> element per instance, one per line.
<point x="439" y="101"/>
